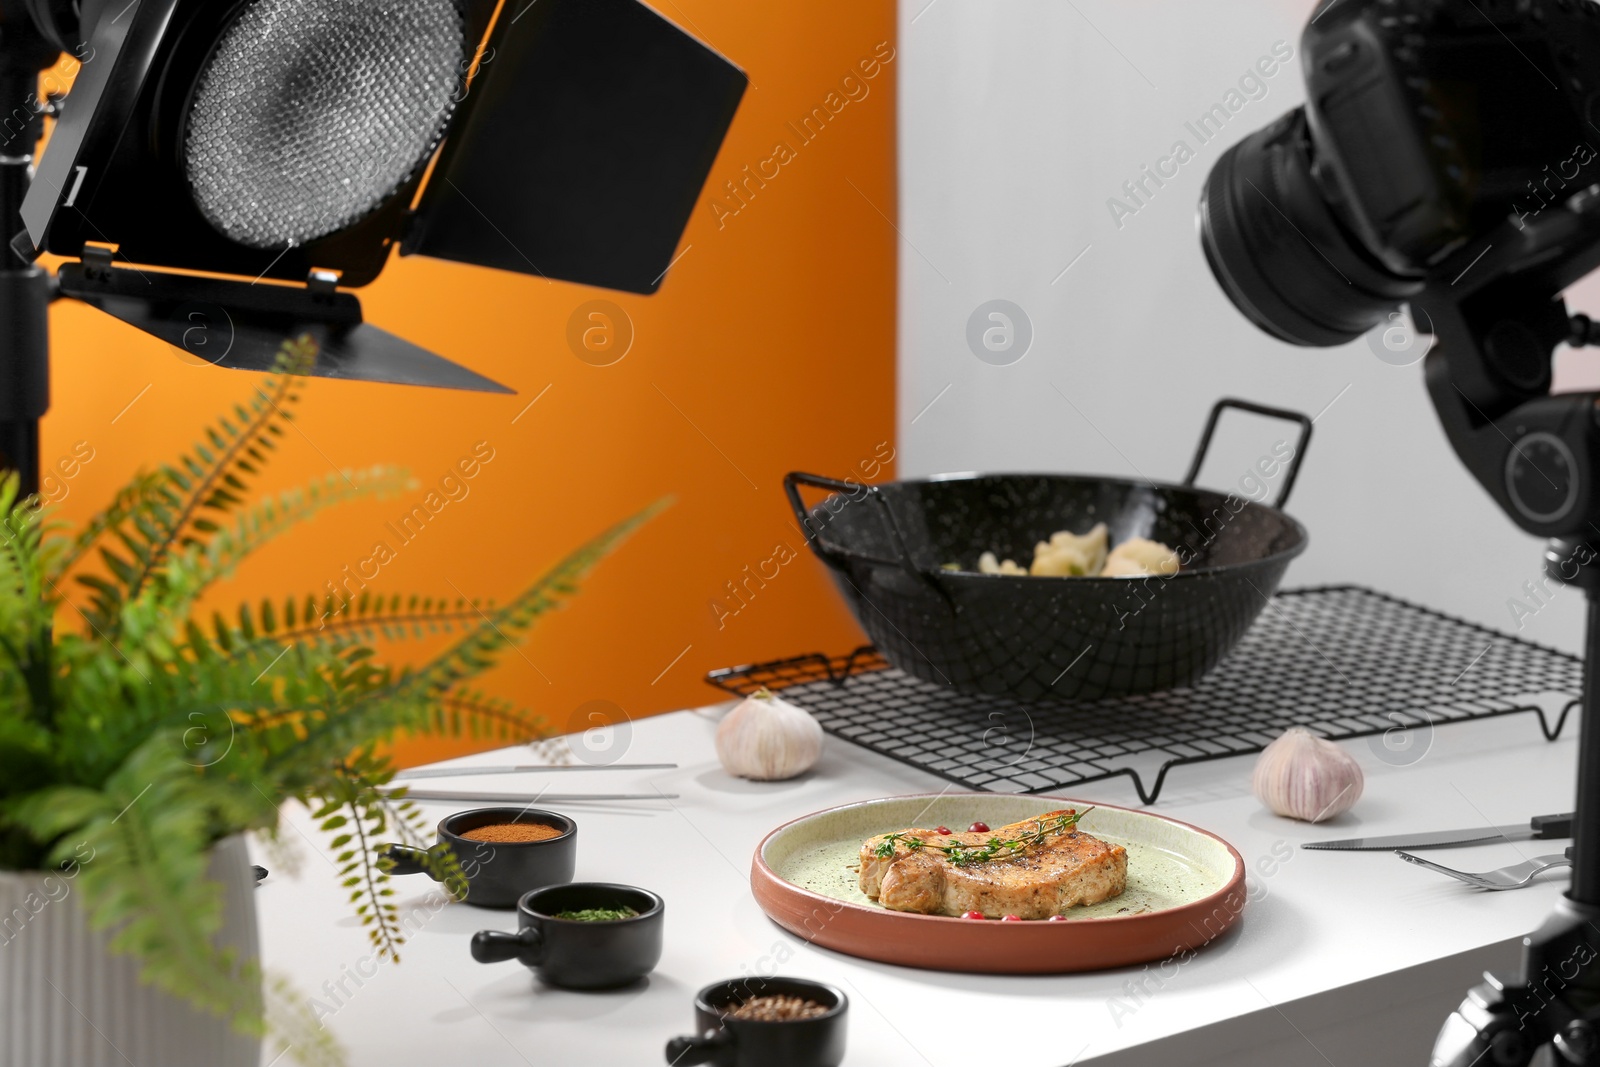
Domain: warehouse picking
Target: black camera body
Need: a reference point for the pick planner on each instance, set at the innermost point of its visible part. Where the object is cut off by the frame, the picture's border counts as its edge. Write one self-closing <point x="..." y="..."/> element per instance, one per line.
<point x="1428" y="124"/>
<point x="1434" y="121"/>
<point x="1445" y="158"/>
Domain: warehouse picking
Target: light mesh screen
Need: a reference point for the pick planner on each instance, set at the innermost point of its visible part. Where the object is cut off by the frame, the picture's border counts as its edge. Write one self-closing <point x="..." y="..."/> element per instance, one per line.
<point x="312" y="112"/>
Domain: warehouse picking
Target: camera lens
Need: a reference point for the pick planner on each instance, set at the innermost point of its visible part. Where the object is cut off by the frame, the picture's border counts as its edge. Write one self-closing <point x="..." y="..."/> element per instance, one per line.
<point x="1278" y="250"/>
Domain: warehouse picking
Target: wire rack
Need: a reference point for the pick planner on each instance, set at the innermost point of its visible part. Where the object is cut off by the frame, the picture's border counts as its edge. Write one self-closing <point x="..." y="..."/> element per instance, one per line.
<point x="1344" y="661"/>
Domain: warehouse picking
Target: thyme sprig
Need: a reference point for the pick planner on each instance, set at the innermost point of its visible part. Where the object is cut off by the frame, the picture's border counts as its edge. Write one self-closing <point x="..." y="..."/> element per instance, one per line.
<point x="994" y="848"/>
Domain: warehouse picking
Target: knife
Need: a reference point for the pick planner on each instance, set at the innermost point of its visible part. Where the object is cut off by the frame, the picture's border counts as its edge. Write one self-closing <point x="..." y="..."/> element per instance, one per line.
<point x="1541" y="826"/>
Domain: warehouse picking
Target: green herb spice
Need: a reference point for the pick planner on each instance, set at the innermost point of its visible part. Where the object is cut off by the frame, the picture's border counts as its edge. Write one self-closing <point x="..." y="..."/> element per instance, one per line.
<point x="597" y="915"/>
<point x="994" y="848"/>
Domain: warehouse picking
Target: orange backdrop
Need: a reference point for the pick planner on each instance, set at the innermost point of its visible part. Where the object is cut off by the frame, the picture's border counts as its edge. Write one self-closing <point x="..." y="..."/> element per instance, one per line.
<point x="770" y="347"/>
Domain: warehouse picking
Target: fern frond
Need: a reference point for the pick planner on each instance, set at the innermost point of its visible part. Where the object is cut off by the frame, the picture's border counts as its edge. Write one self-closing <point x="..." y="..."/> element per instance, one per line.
<point x="477" y="715"/>
<point x="194" y="570"/>
<point x="26" y="609"/>
<point x="167" y="512"/>
<point x="294" y="1028"/>
<point x="209" y="478"/>
<point x="346" y="621"/>
<point x="505" y="626"/>
<point x="130" y="499"/>
<point x="357" y="816"/>
<point x="408" y="700"/>
<point x="273" y="518"/>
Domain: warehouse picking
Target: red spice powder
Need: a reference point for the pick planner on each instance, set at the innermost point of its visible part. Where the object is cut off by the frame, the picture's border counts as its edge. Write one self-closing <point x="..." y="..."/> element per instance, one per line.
<point x="512" y="832"/>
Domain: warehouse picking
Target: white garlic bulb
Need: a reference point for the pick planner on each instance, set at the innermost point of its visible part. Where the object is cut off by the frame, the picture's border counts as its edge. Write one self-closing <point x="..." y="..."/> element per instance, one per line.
<point x="1304" y="777"/>
<point x="768" y="739"/>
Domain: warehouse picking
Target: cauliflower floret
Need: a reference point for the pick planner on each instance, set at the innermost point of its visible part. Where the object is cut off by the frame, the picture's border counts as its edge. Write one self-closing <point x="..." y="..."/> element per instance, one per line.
<point x="1068" y="554"/>
<point x="988" y="564"/>
<point x="1137" y="557"/>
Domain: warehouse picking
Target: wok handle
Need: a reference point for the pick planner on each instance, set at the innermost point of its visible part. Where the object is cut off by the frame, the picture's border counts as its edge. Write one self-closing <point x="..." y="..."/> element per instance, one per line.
<point x="1300" y="445"/>
<point x="791" y="486"/>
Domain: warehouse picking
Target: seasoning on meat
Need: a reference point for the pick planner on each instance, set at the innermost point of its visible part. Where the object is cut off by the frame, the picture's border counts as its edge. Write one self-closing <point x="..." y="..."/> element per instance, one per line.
<point x="1061" y="867"/>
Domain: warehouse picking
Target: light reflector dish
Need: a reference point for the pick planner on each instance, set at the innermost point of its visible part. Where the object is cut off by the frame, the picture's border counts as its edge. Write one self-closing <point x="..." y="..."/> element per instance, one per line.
<point x="311" y="113"/>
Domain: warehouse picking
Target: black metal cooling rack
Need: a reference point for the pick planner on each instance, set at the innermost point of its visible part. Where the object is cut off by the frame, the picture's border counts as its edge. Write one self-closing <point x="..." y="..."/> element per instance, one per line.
<point x="1344" y="661"/>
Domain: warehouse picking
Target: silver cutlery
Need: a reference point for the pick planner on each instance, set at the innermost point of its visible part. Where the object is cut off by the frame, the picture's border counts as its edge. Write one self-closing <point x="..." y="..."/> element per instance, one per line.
<point x="1540" y="827"/>
<point x="533" y="798"/>
<point x="528" y="768"/>
<point x="1513" y="877"/>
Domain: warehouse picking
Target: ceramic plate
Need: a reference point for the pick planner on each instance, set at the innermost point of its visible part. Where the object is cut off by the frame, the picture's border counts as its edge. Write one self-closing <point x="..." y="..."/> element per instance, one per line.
<point x="1185" y="887"/>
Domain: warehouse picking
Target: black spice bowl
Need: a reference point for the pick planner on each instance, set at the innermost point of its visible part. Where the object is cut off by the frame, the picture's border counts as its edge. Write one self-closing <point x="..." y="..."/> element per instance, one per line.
<point x="578" y="954"/>
<point x="726" y="1042"/>
<point x="498" y="873"/>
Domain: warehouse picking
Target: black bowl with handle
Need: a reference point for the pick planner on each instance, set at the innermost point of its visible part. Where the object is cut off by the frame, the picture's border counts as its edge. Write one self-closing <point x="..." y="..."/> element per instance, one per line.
<point x="1044" y="638"/>
<point x="725" y="1041"/>
<point x="579" y="953"/>
<point x="497" y="873"/>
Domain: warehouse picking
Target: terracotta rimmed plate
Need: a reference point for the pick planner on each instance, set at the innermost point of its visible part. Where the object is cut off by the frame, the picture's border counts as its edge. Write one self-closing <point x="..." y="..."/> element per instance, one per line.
<point x="1185" y="887"/>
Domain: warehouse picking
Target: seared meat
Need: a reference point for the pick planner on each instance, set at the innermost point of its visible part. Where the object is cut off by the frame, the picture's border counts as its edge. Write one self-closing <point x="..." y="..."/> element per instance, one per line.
<point x="1060" y="872"/>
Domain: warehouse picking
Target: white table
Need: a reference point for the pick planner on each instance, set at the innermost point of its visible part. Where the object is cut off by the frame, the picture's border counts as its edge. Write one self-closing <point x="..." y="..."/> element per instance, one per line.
<point x="1343" y="958"/>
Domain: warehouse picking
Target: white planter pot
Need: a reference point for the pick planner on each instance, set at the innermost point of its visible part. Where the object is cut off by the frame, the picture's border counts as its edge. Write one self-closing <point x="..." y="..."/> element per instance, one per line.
<point x="67" y="1001"/>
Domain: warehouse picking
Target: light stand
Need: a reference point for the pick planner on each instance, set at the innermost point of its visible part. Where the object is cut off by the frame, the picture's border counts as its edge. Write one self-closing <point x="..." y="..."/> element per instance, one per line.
<point x="26" y="290"/>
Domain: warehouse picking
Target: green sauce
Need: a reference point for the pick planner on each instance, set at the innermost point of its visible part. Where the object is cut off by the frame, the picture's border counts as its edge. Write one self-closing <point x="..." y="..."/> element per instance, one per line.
<point x="597" y="915"/>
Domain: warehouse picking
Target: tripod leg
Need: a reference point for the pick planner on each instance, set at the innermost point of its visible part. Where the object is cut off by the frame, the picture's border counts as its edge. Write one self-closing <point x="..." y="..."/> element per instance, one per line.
<point x="1556" y="999"/>
<point x="1586" y="828"/>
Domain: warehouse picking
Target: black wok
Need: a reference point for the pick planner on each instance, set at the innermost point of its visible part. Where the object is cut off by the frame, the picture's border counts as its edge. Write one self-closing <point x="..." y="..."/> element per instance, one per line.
<point x="1052" y="638"/>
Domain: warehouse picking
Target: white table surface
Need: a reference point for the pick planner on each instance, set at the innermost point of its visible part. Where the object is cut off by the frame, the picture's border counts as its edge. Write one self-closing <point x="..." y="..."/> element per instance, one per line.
<point x="1329" y="942"/>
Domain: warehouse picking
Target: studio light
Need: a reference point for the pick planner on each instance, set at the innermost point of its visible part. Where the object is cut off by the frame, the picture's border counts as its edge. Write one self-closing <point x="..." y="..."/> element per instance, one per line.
<point x="225" y="172"/>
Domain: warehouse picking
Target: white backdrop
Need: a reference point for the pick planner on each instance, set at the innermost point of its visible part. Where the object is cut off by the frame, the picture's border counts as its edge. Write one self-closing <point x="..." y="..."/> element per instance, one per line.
<point x="1021" y="120"/>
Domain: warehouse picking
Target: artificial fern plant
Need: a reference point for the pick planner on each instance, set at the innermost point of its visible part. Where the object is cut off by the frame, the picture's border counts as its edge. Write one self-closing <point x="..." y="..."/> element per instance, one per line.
<point x="130" y="724"/>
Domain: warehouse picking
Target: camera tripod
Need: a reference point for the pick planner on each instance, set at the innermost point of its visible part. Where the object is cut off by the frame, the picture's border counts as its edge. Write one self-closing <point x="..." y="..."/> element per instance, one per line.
<point x="1489" y="377"/>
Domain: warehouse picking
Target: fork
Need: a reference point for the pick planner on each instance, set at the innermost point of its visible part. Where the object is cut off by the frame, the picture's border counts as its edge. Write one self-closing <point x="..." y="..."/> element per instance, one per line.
<point x="1513" y="877"/>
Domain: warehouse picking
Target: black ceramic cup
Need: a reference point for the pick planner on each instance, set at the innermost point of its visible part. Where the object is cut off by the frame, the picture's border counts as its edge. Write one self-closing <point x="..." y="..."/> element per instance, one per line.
<point x="499" y="872"/>
<point x="574" y="953"/>
<point x="724" y="1042"/>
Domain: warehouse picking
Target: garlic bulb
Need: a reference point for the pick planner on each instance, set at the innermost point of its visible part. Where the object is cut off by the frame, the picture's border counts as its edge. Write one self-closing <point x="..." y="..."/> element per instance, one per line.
<point x="768" y="739"/>
<point x="1305" y="777"/>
